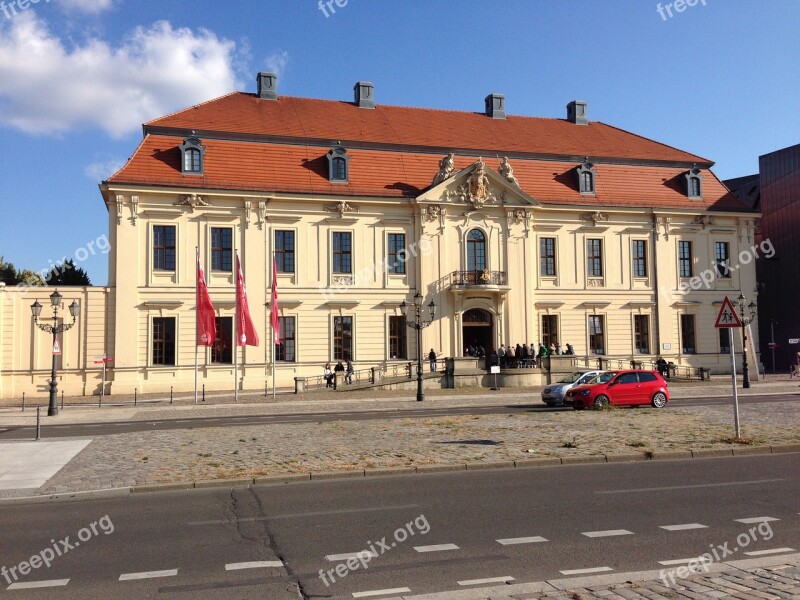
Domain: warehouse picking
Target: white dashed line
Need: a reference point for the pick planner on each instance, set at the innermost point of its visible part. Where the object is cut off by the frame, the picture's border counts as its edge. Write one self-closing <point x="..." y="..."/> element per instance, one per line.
<point x="436" y="548"/>
<point x="487" y="580"/>
<point x="750" y="520"/>
<point x="609" y="533"/>
<point x="28" y="585"/>
<point x="340" y="557"/>
<point x="381" y="592"/>
<point x="259" y="564"/>
<point x="587" y="571"/>
<point x="683" y="527"/>
<point x="148" y="575"/>
<point x="522" y="540"/>
<point x="773" y="551"/>
<point x="681" y="561"/>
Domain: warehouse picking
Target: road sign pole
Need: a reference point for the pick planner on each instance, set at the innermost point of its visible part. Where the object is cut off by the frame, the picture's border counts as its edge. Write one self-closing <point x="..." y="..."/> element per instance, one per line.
<point x="735" y="390"/>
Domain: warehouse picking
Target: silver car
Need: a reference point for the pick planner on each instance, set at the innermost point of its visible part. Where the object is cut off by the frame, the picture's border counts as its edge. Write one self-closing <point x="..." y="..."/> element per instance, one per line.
<point x="553" y="394"/>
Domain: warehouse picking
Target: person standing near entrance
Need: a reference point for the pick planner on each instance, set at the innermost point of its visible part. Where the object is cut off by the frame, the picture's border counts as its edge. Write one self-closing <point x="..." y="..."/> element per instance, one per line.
<point x="501" y="356"/>
<point x="432" y="360"/>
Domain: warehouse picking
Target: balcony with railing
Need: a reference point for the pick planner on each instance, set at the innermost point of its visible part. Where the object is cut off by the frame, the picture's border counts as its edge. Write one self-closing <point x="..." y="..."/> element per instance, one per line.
<point x="477" y="278"/>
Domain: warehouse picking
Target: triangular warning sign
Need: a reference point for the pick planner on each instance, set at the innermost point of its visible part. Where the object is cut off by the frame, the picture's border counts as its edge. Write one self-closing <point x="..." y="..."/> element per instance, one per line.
<point x="727" y="315"/>
<point x="56" y="346"/>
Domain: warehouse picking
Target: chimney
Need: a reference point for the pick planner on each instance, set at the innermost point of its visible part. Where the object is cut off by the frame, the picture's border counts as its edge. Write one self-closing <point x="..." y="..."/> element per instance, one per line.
<point x="365" y="94"/>
<point x="576" y="112"/>
<point x="496" y="106"/>
<point x="267" y="86"/>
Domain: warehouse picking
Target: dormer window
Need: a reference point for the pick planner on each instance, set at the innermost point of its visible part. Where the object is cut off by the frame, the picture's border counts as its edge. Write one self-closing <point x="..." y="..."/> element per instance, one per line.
<point x="338" y="171"/>
<point x="586" y="177"/>
<point x="694" y="187"/>
<point x="192" y="152"/>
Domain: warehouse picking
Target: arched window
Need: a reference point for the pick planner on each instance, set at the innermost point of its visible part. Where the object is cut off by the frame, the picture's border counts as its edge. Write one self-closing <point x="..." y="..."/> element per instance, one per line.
<point x="694" y="186"/>
<point x="338" y="165"/>
<point x="586" y="174"/>
<point x="192" y="154"/>
<point x="476" y="250"/>
<point x="339" y="168"/>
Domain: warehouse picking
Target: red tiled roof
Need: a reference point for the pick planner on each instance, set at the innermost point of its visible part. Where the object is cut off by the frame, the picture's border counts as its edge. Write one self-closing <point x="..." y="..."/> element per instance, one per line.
<point x="263" y="167"/>
<point x="313" y="119"/>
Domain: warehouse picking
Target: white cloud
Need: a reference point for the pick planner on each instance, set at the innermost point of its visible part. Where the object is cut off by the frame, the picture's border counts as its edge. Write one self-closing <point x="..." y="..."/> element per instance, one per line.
<point x="46" y="88"/>
<point x="277" y="62"/>
<point x="87" y="6"/>
<point x="100" y="171"/>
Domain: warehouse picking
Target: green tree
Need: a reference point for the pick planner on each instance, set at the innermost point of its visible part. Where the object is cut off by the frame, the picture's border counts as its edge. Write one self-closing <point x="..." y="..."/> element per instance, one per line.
<point x="67" y="274"/>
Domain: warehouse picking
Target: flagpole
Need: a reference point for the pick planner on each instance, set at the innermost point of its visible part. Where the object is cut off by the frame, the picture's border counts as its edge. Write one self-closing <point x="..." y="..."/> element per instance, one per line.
<point x="196" y="319"/>
<point x="235" y="334"/>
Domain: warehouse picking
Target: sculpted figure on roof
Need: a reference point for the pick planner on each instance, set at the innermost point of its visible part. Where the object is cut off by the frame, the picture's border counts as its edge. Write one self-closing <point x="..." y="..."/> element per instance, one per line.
<point x="446" y="168"/>
<point x="507" y="172"/>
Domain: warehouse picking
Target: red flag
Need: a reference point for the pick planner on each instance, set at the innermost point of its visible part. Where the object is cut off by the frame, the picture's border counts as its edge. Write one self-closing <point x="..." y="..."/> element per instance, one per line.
<point x="206" y="323"/>
<point x="245" y="331"/>
<point x="273" y="307"/>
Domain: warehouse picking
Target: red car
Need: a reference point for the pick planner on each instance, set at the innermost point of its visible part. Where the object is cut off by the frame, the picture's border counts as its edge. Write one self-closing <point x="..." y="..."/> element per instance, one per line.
<point x="625" y="388"/>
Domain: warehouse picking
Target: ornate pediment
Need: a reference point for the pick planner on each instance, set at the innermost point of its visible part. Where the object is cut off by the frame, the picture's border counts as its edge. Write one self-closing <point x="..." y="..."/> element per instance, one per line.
<point x="341" y="207"/>
<point x="192" y="201"/>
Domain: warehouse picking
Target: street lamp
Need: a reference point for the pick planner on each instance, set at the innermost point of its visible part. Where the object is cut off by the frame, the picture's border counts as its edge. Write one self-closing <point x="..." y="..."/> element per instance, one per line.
<point x="414" y="320"/>
<point x="751" y="309"/>
<point x="55" y="329"/>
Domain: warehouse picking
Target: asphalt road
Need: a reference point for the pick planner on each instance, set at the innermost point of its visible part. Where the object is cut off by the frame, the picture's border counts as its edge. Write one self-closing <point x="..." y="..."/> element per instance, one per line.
<point x="607" y="516"/>
<point x="114" y="427"/>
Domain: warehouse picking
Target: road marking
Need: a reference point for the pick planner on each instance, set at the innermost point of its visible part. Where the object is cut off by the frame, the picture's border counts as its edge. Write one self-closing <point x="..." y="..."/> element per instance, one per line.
<point x="436" y="548"/>
<point x="307" y="514"/>
<point x="773" y="551"/>
<point x="586" y="571"/>
<point x="148" y="575"/>
<point x="258" y="564"/>
<point x="688" y="487"/>
<point x="522" y="540"/>
<point x="381" y="592"/>
<point x="487" y="580"/>
<point x="683" y="527"/>
<point x="608" y="533"/>
<point x="682" y="561"/>
<point x="750" y="520"/>
<point x="28" y="585"/>
<point x="340" y="557"/>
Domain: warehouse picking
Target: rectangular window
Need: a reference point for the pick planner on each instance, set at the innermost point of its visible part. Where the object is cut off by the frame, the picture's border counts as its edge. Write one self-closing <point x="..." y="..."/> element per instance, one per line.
<point x="164" y="341"/>
<point x="547" y="257"/>
<point x="222" y="350"/>
<point x="639" y="258"/>
<point x="597" y="336"/>
<point x="222" y="249"/>
<point x="722" y="254"/>
<point x="685" y="259"/>
<point x="550" y="330"/>
<point x="687" y="334"/>
<point x="342" y="252"/>
<point x="284" y="251"/>
<point x="343" y="338"/>
<point x="724" y="340"/>
<point x="396" y="260"/>
<point x="164" y="247"/>
<point x="397" y="337"/>
<point x="594" y="258"/>
<point x="286" y="350"/>
<point x="641" y="333"/>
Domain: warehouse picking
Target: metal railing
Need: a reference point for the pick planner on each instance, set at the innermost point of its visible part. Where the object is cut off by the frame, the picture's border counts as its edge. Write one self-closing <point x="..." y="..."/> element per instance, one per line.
<point x="670" y="370"/>
<point x="478" y="277"/>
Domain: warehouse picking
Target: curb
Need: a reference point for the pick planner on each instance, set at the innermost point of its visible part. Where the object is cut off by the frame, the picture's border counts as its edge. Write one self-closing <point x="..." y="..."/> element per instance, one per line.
<point x="612" y="458"/>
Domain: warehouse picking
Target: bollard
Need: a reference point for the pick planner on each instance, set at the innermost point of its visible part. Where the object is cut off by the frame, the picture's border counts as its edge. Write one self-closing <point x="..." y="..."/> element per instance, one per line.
<point x="266" y="389"/>
<point x="38" y="423"/>
<point x="135" y="396"/>
<point x="204" y="392"/>
<point x="62" y="399"/>
<point x="23" y="401"/>
<point x="170" y="394"/>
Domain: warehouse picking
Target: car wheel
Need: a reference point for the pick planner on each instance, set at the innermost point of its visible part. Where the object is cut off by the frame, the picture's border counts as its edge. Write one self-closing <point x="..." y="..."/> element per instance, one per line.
<point x="659" y="400"/>
<point x="601" y="402"/>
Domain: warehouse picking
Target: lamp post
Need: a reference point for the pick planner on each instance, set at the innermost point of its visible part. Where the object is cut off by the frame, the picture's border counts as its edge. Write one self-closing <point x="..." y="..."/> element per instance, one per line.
<point x="751" y="309"/>
<point x="414" y="320"/>
<point x="55" y="329"/>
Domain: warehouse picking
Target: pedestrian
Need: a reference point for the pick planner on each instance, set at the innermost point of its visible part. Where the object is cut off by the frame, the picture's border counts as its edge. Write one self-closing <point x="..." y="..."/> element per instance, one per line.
<point x="552" y="349"/>
<point x="339" y="368"/>
<point x="348" y="374"/>
<point x="663" y="367"/>
<point x="481" y="351"/>
<point x="520" y="357"/>
<point x="796" y="366"/>
<point x="432" y="360"/>
<point x="526" y="355"/>
<point x="328" y="375"/>
<point x="570" y="349"/>
<point x="543" y="351"/>
<point x="558" y="349"/>
<point x="511" y="358"/>
<point x="501" y="356"/>
<point x="532" y="354"/>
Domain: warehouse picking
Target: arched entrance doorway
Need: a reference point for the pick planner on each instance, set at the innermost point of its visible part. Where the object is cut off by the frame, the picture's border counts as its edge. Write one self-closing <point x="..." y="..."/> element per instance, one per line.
<point x="477" y="329"/>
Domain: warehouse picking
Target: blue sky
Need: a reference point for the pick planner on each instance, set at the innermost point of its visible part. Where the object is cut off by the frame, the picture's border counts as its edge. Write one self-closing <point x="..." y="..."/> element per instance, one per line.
<point x="78" y="77"/>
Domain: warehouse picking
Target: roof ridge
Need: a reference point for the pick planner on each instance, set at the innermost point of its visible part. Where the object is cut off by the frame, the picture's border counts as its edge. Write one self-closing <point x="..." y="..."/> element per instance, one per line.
<point x="641" y="137"/>
<point x="188" y="108"/>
